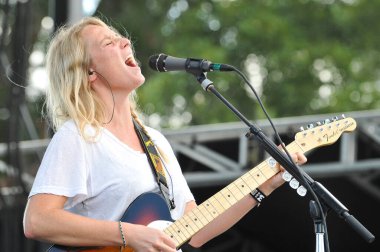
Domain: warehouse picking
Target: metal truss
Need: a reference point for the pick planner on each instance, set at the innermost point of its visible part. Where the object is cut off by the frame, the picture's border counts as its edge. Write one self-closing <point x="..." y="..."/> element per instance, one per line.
<point x="192" y="146"/>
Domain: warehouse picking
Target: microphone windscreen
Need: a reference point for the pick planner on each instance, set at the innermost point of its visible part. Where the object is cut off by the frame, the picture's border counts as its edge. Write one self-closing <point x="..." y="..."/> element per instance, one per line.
<point x="156" y="62"/>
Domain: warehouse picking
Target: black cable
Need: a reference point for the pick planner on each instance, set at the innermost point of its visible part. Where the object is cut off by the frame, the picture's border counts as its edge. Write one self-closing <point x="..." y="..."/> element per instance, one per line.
<point x="326" y="241"/>
<point x="113" y="97"/>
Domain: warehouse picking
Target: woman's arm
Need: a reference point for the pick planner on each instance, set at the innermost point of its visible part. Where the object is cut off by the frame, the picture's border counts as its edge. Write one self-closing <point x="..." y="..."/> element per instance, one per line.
<point x="45" y="219"/>
<point x="232" y="215"/>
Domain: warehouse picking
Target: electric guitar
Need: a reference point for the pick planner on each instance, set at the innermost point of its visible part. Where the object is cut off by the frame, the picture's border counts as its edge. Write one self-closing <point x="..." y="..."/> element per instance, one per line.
<point x="150" y="209"/>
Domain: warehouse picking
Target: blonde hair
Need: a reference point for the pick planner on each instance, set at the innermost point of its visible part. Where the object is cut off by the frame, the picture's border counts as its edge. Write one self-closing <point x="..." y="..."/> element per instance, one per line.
<point x="69" y="95"/>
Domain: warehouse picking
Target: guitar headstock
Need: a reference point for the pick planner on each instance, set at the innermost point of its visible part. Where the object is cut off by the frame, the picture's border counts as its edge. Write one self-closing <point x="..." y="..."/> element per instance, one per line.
<point x="324" y="133"/>
<point x="321" y="134"/>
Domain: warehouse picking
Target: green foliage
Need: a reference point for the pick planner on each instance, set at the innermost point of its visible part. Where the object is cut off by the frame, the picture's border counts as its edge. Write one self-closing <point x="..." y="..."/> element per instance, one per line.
<point x="303" y="57"/>
<point x="313" y="56"/>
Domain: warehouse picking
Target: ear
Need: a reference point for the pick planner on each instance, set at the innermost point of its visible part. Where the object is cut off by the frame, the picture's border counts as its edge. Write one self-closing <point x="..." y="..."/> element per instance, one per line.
<point x="91" y="75"/>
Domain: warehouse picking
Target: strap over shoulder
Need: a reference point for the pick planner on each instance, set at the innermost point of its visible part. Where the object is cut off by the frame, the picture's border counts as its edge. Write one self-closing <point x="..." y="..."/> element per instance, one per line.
<point x="155" y="162"/>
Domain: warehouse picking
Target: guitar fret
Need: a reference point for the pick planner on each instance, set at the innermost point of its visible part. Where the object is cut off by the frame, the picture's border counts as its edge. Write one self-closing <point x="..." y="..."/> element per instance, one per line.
<point x="293" y="148"/>
<point x="216" y="204"/>
<point x="200" y="216"/>
<point x="208" y="216"/>
<point x="180" y="231"/>
<point x="177" y="230"/>
<point x="235" y="190"/>
<point x="171" y="232"/>
<point x="189" y="225"/>
<point x="224" y="199"/>
<point x="242" y="186"/>
<point x="258" y="176"/>
<point x="231" y="195"/>
<point x="268" y="172"/>
<point x="175" y="233"/>
<point x="228" y="196"/>
<point x="214" y="211"/>
<point x="195" y="220"/>
<point x="250" y="182"/>
<point x="185" y="231"/>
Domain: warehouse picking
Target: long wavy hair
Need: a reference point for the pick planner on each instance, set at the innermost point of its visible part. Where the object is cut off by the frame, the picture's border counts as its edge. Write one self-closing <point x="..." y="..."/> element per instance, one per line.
<point x="69" y="95"/>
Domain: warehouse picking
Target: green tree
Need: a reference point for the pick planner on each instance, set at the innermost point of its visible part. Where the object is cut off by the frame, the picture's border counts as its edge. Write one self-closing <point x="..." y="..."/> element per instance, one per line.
<point x="304" y="57"/>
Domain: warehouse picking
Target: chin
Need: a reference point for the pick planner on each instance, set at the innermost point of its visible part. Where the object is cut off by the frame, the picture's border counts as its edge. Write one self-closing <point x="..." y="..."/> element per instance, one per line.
<point x="141" y="81"/>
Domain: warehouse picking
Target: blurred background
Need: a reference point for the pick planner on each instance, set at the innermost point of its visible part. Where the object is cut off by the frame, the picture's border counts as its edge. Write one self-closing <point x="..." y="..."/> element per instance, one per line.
<point x="308" y="60"/>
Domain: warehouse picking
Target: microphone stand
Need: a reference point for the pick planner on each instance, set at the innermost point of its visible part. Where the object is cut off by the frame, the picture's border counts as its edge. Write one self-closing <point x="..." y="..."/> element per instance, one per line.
<point x="319" y="227"/>
<point x="328" y="201"/>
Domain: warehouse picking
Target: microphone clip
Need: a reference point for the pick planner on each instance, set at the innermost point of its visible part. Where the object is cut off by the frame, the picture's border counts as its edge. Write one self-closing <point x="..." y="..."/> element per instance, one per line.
<point x="203" y="80"/>
<point x="197" y="66"/>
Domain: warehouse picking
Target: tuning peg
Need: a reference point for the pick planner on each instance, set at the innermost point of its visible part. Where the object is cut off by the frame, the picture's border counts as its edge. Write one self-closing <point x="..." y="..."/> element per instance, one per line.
<point x="326" y="121"/>
<point x="318" y="123"/>
<point x="294" y="183"/>
<point x="335" y="118"/>
<point x="302" y="128"/>
<point x="272" y="162"/>
<point x="310" y="126"/>
<point x="343" y="116"/>
<point x="301" y="191"/>
<point x="287" y="176"/>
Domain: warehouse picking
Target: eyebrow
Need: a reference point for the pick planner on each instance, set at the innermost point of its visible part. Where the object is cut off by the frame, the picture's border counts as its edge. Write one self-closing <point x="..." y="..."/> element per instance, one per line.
<point x="110" y="37"/>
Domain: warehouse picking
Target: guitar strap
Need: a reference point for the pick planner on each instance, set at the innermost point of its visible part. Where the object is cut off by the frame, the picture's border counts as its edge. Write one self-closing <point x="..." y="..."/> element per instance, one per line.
<point x="155" y="163"/>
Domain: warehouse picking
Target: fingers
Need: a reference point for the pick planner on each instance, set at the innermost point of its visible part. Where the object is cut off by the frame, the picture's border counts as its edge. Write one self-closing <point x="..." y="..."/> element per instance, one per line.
<point x="149" y="239"/>
<point x="299" y="158"/>
<point x="168" y="244"/>
<point x="164" y="243"/>
<point x="165" y="248"/>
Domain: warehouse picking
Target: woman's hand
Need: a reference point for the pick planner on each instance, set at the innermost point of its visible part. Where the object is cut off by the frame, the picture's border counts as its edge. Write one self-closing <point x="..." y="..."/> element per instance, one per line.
<point x="276" y="181"/>
<point x="146" y="239"/>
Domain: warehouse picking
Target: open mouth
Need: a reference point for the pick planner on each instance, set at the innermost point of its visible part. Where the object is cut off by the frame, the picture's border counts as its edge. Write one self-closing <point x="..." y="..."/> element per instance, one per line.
<point x="130" y="61"/>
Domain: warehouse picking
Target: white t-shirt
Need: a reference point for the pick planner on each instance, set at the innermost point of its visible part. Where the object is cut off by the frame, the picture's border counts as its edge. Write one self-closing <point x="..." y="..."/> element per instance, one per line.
<point x="101" y="179"/>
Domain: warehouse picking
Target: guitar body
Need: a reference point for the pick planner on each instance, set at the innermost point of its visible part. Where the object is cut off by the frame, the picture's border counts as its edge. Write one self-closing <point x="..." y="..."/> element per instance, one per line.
<point x="148" y="209"/>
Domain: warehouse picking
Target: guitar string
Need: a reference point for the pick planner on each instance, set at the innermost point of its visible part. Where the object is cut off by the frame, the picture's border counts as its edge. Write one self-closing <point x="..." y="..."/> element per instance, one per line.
<point x="259" y="168"/>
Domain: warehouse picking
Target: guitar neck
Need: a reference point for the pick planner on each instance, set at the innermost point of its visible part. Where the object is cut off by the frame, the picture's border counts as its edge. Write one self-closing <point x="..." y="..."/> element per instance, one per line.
<point x="189" y="224"/>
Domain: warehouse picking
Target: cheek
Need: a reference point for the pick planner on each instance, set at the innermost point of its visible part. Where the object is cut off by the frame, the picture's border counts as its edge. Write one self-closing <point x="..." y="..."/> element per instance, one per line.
<point x="98" y="55"/>
<point x="99" y="59"/>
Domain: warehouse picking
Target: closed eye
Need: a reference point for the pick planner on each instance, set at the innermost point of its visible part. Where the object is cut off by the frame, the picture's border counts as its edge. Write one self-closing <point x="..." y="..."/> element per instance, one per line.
<point x="107" y="41"/>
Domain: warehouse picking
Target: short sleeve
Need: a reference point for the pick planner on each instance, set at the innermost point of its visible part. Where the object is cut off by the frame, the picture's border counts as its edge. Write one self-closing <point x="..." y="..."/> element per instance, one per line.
<point x="63" y="170"/>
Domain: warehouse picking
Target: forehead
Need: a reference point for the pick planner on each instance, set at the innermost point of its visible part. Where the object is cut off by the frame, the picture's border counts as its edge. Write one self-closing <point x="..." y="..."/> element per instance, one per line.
<point x="94" y="34"/>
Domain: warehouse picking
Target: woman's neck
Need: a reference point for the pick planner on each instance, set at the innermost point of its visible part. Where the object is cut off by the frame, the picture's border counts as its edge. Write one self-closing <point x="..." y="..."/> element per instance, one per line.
<point x="121" y="126"/>
<point x="120" y="117"/>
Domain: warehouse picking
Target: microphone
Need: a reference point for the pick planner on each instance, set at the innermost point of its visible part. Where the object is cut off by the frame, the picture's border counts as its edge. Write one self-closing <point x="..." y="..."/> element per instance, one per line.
<point x="164" y="63"/>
